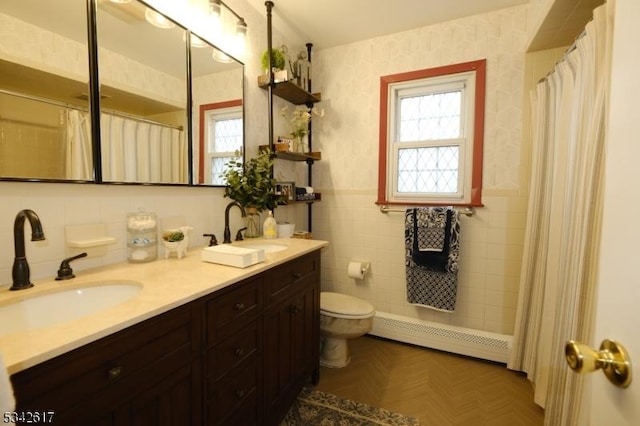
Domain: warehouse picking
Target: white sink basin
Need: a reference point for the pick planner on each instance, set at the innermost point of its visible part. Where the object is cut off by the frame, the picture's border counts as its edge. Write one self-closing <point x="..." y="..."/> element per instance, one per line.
<point x="268" y="248"/>
<point x="65" y="305"/>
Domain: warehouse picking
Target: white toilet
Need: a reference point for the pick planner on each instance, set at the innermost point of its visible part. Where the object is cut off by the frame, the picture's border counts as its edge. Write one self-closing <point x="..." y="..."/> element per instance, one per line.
<point x="342" y="317"/>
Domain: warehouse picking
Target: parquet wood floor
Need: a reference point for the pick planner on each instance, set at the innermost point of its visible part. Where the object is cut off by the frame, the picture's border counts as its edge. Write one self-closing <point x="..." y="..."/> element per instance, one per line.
<point x="436" y="387"/>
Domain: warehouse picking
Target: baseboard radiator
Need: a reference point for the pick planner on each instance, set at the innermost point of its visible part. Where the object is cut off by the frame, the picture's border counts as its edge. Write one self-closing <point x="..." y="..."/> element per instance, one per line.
<point x="444" y="337"/>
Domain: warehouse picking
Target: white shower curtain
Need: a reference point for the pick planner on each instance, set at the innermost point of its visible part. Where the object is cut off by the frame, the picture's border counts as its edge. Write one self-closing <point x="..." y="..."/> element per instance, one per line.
<point x="78" y="164"/>
<point x="137" y="151"/>
<point x="558" y="269"/>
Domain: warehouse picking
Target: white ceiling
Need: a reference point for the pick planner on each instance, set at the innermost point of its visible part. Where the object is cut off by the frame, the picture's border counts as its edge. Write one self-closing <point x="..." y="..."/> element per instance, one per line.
<point x="329" y="23"/>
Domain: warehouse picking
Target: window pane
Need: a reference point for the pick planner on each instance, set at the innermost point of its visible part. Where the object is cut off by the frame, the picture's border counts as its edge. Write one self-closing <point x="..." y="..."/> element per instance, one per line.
<point x="218" y="166"/>
<point x="430" y="117"/>
<point x="227" y="135"/>
<point x="428" y="170"/>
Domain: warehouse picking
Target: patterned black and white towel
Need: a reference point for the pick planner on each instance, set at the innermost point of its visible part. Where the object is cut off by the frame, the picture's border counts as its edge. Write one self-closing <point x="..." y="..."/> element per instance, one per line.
<point x="432" y="247"/>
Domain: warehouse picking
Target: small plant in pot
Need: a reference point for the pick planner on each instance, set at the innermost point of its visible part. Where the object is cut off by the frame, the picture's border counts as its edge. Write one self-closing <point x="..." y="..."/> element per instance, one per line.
<point x="176" y="241"/>
<point x="252" y="186"/>
<point x="278" y="60"/>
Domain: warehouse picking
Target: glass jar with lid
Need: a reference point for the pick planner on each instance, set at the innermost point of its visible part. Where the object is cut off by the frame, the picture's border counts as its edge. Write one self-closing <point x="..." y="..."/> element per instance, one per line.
<point x="142" y="237"/>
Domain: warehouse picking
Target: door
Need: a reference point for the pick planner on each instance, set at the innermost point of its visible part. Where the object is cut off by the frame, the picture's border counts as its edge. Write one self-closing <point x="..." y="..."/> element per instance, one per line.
<point x="618" y="316"/>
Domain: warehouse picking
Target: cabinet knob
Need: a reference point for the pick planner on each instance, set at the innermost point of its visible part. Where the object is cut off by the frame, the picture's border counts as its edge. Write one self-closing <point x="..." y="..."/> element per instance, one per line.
<point x="239" y="352"/>
<point x="115" y="373"/>
<point x="238" y="307"/>
<point x="240" y="393"/>
<point x="297" y="275"/>
<point x="294" y="309"/>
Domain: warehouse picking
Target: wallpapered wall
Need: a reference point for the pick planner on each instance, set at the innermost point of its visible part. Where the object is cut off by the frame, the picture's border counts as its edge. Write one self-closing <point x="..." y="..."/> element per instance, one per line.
<point x="348" y="78"/>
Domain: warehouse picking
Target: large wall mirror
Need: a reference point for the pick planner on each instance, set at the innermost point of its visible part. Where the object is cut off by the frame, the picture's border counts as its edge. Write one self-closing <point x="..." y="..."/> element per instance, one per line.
<point x="142" y="62"/>
<point x="45" y="126"/>
<point x="218" y="112"/>
<point x="145" y="132"/>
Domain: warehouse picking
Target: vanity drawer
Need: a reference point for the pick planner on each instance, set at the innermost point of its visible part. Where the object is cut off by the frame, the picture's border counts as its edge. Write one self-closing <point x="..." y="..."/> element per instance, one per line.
<point x="229" y="312"/>
<point x="112" y="368"/>
<point x="232" y="352"/>
<point x="290" y="273"/>
<point x="238" y="388"/>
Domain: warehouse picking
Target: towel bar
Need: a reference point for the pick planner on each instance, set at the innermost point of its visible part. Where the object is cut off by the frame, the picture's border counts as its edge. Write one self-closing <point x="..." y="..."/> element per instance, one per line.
<point x="467" y="211"/>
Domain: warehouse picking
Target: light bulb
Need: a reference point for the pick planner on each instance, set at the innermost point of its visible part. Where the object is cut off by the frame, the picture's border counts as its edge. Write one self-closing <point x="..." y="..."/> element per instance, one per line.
<point x="214" y="7"/>
<point x="158" y="20"/>
<point x="221" y="57"/>
<point x="241" y="37"/>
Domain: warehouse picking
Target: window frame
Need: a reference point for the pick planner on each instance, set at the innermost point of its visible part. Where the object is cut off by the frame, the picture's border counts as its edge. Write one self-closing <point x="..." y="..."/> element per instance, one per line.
<point x="473" y="189"/>
<point x="203" y="152"/>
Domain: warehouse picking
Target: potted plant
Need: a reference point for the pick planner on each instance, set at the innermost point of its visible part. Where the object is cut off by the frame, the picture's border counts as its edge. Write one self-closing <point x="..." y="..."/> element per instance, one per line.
<point x="251" y="184"/>
<point x="278" y="60"/>
<point x="176" y="241"/>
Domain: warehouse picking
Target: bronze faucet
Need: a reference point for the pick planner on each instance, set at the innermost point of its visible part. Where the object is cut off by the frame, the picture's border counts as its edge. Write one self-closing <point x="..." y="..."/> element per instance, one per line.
<point x="20" y="271"/>
<point x="227" y="231"/>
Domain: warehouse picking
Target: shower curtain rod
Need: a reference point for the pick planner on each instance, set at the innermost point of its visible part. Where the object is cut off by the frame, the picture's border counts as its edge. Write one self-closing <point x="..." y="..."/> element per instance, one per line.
<point x="141" y="119"/>
<point x="570" y="49"/>
<point x="467" y="211"/>
<point x="84" y="109"/>
<point x="39" y="99"/>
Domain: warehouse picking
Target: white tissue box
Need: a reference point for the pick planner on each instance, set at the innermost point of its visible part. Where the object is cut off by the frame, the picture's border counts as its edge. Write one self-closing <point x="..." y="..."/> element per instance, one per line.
<point x="239" y="257"/>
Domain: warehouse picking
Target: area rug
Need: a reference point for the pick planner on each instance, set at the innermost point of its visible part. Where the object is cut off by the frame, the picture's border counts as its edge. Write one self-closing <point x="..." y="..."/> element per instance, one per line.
<point x="319" y="408"/>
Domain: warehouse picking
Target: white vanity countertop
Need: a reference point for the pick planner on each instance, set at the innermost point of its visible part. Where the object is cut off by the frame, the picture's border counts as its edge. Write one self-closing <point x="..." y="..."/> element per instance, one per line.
<point x="167" y="283"/>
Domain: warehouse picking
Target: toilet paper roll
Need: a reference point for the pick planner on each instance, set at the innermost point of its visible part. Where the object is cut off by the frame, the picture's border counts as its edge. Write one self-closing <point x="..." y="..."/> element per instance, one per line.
<point x="357" y="270"/>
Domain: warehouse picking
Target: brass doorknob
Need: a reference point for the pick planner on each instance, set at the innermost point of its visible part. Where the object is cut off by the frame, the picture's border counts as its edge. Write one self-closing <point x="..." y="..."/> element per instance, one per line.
<point x="612" y="358"/>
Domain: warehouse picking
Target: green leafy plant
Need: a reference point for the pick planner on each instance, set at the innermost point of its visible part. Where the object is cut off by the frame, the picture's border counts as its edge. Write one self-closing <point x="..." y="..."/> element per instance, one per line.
<point x="251" y="184"/>
<point x="277" y="59"/>
<point x="173" y="236"/>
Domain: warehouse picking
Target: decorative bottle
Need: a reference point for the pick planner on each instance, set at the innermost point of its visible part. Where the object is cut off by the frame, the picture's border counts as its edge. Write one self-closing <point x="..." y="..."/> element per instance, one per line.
<point x="270" y="227"/>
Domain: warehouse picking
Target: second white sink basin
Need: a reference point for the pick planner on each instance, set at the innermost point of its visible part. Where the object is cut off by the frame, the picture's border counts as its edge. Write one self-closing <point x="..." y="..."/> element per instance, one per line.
<point x="64" y="305"/>
<point x="267" y="247"/>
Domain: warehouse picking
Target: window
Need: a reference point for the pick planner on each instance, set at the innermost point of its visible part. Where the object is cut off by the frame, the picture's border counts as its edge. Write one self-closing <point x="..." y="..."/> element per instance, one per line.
<point x="431" y="136"/>
<point x="221" y="130"/>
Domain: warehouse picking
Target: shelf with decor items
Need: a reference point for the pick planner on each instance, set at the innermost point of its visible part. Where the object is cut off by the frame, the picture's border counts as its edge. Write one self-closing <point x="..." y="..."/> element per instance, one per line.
<point x="290" y="92"/>
<point x="277" y="83"/>
<point x="295" y="156"/>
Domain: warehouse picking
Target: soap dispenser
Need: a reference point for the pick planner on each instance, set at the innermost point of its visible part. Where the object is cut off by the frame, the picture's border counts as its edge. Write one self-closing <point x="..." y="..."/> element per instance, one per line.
<point x="270" y="228"/>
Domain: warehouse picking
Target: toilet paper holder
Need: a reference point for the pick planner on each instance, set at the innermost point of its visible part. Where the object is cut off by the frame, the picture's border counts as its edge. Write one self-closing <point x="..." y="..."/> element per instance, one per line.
<point x="358" y="269"/>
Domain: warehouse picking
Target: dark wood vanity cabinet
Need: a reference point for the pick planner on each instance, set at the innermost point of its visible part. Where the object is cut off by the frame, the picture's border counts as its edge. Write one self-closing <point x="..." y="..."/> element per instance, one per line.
<point x="137" y="376"/>
<point x="239" y="356"/>
<point x="232" y="354"/>
<point x="291" y="333"/>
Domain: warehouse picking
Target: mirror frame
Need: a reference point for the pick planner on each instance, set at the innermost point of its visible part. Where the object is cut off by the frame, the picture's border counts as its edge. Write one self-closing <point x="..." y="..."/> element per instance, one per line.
<point x="95" y="108"/>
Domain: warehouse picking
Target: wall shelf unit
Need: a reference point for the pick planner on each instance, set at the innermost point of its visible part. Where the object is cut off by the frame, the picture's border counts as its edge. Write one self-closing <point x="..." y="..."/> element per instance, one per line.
<point x="292" y="93"/>
<point x="295" y="156"/>
<point x="295" y="95"/>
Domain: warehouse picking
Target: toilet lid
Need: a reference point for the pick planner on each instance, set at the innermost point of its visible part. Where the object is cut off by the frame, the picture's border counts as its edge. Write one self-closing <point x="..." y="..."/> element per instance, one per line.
<point x="343" y="305"/>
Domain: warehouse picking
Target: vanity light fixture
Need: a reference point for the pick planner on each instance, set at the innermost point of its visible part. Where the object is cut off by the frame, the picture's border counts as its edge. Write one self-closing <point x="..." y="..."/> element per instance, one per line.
<point x="158" y="20"/>
<point x="240" y="39"/>
<point x="241" y="29"/>
<point x="215" y="8"/>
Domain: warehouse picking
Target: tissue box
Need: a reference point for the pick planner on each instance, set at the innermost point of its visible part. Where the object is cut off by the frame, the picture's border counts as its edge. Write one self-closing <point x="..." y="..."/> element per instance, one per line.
<point x="239" y="257"/>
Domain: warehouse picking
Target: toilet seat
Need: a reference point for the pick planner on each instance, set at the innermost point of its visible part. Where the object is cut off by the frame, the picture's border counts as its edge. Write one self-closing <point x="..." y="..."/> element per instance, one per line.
<point x="340" y="305"/>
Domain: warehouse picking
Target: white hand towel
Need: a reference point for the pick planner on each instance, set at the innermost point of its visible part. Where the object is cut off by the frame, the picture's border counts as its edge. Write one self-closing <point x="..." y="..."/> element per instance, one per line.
<point x="7" y="400"/>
